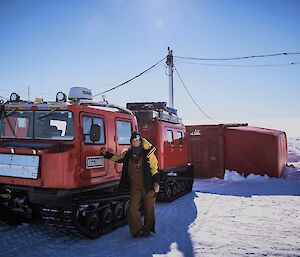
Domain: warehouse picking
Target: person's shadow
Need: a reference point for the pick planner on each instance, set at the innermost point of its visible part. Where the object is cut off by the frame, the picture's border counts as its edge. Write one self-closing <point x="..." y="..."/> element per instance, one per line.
<point x="173" y="221"/>
<point x="172" y="237"/>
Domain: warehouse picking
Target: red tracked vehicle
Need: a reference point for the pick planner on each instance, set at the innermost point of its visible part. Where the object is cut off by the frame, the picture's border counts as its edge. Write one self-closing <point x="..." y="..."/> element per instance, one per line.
<point x="50" y="159"/>
<point x="164" y="129"/>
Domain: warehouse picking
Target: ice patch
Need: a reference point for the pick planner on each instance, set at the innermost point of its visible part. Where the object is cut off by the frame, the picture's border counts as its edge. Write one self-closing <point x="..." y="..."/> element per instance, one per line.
<point x="291" y="172"/>
<point x="234" y="176"/>
<point x="258" y="178"/>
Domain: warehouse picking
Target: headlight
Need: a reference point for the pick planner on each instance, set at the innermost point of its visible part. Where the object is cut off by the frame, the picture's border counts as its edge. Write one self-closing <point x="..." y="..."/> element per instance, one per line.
<point x="14" y="97"/>
<point x="61" y="97"/>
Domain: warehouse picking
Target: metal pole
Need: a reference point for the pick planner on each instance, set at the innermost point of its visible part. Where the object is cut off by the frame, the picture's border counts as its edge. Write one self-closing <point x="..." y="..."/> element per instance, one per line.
<point x="170" y="68"/>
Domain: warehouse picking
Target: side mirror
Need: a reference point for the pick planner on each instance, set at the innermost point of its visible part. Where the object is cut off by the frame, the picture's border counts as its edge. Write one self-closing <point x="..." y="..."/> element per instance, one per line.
<point x="95" y="132"/>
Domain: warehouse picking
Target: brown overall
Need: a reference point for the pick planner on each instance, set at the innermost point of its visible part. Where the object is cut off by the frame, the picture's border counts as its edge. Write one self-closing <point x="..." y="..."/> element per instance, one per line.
<point x="138" y="194"/>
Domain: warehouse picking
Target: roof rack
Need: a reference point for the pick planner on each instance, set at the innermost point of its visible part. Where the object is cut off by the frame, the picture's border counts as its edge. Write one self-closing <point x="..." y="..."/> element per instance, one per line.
<point x="154" y="110"/>
<point x="103" y="104"/>
<point x="156" y="106"/>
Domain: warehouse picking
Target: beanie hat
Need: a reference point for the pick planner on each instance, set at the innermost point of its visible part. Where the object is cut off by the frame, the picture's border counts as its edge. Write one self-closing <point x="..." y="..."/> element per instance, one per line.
<point x="135" y="135"/>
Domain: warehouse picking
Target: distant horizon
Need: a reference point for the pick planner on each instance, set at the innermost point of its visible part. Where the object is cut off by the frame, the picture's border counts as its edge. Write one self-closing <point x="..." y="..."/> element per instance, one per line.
<point x="291" y="126"/>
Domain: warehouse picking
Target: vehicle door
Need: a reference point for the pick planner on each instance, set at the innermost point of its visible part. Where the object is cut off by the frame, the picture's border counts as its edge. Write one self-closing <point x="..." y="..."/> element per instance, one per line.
<point x="92" y="163"/>
<point x="123" y="134"/>
<point x="169" y="148"/>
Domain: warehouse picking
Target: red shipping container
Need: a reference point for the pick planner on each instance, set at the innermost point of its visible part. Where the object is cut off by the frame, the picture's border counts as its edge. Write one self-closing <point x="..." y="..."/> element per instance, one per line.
<point x="205" y="144"/>
<point x="255" y="150"/>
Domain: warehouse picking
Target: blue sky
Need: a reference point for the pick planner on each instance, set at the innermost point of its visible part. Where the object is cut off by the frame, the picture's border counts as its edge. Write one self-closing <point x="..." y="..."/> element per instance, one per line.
<point x="53" y="45"/>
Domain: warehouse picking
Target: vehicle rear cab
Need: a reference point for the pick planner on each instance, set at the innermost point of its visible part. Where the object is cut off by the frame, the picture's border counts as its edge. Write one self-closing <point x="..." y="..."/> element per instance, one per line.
<point x="164" y="129"/>
<point x="51" y="151"/>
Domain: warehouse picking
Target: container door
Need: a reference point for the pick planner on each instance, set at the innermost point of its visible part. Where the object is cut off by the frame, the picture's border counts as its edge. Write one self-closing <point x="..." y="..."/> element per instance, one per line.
<point x="196" y="157"/>
<point x="206" y="151"/>
<point x="214" y="146"/>
<point x="123" y="134"/>
<point x="92" y="163"/>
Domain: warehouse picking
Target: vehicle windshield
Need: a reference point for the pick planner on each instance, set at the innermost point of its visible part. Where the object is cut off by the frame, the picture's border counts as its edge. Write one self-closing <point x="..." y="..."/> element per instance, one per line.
<point x="16" y="124"/>
<point x="50" y="125"/>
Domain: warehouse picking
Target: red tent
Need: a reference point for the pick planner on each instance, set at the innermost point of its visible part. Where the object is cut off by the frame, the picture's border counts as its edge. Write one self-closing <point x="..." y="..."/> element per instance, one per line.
<point x="255" y="150"/>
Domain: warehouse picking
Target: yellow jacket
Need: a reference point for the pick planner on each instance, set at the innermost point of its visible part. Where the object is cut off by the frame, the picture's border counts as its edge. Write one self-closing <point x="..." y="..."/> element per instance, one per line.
<point x="150" y="168"/>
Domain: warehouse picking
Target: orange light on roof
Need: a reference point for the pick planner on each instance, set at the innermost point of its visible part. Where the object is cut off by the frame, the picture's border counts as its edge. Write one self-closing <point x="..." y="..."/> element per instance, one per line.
<point x="38" y="100"/>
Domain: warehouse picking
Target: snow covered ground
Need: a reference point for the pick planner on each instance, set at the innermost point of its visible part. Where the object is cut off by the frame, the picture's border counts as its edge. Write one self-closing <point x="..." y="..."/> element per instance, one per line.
<point x="237" y="216"/>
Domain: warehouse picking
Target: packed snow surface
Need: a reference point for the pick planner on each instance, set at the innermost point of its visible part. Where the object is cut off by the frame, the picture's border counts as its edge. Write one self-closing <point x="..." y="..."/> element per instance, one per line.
<point x="237" y="216"/>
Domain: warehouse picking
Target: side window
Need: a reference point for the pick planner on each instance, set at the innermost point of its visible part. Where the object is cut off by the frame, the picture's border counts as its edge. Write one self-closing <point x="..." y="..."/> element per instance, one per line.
<point x="170" y="137"/>
<point x="123" y="132"/>
<point x="87" y="121"/>
<point x="180" y="137"/>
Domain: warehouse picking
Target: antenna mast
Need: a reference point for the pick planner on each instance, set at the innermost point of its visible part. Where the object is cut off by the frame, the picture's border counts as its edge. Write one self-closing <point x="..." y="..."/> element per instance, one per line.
<point x="28" y="93"/>
<point x="170" y="64"/>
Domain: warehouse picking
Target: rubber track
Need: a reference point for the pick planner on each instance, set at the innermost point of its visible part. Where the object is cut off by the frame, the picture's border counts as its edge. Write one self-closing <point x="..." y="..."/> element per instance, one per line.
<point x="66" y="220"/>
<point x="162" y="196"/>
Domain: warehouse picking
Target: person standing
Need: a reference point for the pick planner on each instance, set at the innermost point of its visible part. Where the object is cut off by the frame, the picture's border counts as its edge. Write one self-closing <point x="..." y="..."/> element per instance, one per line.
<point x="140" y="177"/>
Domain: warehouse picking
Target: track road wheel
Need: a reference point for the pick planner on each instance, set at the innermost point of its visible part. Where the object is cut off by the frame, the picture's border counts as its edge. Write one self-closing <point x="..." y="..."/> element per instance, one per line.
<point x="106" y="216"/>
<point x="92" y="221"/>
<point x="183" y="187"/>
<point x="126" y="209"/>
<point x="179" y="188"/>
<point x="118" y="212"/>
<point x="168" y="191"/>
<point x="174" y="189"/>
<point x="90" y="225"/>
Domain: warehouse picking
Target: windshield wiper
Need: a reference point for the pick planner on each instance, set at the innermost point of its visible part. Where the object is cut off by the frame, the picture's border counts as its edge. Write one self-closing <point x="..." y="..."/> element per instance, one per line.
<point x="8" y="121"/>
<point x="48" y="113"/>
<point x="6" y="114"/>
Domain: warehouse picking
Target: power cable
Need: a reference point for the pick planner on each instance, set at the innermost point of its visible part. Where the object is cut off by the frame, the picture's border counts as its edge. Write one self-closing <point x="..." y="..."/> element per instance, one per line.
<point x="237" y="58"/>
<point x="129" y="80"/>
<point x="242" y="65"/>
<point x="4" y="90"/>
<point x="191" y="95"/>
<point x="3" y="97"/>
